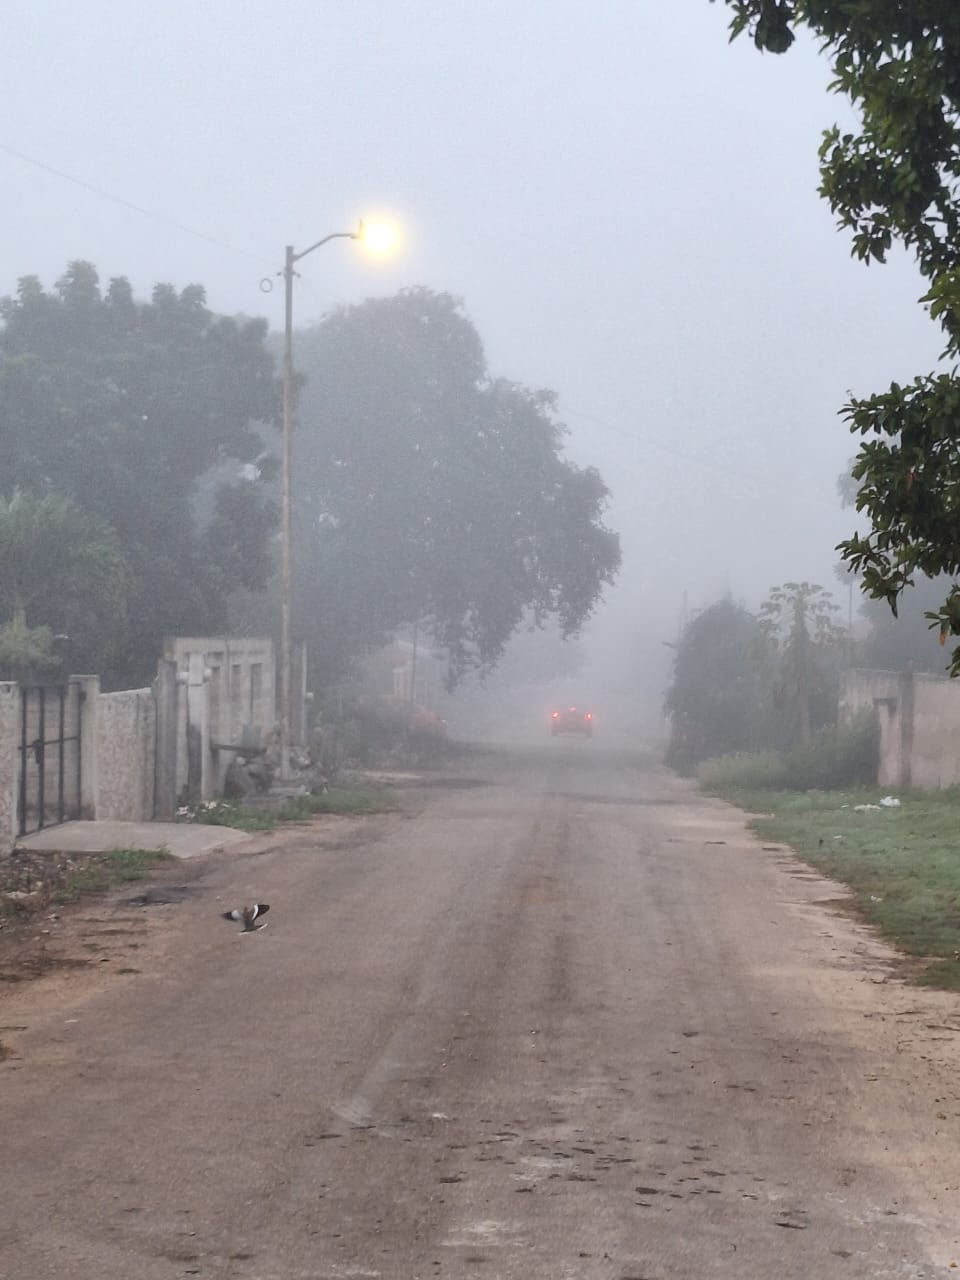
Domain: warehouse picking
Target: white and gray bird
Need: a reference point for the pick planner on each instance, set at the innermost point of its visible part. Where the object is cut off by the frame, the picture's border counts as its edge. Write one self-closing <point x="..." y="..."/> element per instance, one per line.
<point x="248" y="916"/>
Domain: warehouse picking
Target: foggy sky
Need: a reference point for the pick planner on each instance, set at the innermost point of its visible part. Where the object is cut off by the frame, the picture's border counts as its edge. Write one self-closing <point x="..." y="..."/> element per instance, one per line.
<point x="626" y="203"/>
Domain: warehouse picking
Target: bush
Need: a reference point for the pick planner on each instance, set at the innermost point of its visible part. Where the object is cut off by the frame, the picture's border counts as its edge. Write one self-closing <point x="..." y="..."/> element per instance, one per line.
<point x="744" y="771"/>
<point x="837" y="756"/>
<point x="388" y="731"/>
<point x="843" y="755"/>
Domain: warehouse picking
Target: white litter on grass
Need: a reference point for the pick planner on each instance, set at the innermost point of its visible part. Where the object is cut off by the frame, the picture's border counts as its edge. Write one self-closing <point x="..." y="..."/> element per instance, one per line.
<point x="888" y="802"/>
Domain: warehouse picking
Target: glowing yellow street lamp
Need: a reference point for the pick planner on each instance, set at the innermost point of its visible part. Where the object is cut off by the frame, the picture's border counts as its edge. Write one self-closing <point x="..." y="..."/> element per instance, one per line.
<point x="379" y="237"/>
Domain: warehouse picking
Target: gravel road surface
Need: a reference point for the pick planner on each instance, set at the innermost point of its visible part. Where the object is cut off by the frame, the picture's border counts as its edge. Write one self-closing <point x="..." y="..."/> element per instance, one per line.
<point x="559" y="1017"/>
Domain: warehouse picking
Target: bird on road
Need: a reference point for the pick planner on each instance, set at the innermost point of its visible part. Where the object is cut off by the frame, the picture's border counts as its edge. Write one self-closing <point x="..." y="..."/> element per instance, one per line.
<point x="248" y="916"/>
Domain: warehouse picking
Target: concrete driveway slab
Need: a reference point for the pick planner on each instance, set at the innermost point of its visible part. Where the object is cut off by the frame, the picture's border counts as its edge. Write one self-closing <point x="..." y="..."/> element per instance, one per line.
<point x="182" y="839"/>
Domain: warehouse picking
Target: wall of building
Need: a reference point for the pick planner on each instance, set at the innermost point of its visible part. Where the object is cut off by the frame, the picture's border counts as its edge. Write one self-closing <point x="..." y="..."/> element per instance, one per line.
<point x="936" y="732"/>
<point x="919" y="718"/>
<point x="881" y="691"/>
<point x="126" y="755"/>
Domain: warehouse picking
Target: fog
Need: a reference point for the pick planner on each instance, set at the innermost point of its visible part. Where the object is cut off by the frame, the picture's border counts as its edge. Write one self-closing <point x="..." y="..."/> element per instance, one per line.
<point x="626" y="203"/>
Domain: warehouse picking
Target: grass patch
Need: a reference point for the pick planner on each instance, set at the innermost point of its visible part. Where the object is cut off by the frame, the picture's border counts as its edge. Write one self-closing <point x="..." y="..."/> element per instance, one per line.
<point x="349" y="801"/>
<point x="103" y="871"/>
<point x="902" y="864"/>
<point x="230" y="813"/>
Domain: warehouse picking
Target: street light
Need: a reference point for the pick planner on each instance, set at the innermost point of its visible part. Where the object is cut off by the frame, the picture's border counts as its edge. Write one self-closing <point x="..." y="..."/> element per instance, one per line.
<point x="378" y="237"/>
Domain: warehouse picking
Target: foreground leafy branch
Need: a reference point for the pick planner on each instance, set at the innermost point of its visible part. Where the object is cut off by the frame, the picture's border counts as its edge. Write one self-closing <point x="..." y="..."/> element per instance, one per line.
<point x="897" y="179"/>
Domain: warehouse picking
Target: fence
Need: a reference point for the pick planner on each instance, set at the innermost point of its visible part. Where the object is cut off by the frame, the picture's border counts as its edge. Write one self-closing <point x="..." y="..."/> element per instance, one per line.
<point x="144" y="751"/>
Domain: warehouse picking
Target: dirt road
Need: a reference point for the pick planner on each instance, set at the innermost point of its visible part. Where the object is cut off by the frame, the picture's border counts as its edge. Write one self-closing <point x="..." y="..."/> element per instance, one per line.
<point x="561" y="1018"/>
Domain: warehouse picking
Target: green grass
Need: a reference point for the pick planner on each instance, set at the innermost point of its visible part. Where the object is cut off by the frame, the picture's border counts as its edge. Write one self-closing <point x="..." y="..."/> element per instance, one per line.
<point x="902" y="864"/>
<point x="118" y="866"/>
<point x="229" y="813"/>
<point x="349" y="801"/>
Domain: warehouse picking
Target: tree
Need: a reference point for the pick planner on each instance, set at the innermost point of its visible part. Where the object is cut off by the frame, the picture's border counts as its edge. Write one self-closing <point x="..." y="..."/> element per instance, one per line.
<point x="896" y="178"/>
<point x="124" y="407"/>
<point x="61" y="570"/>
<point x="798" y="620"/>
<point x="719" y="700"/>
<point x="427" y="491"/>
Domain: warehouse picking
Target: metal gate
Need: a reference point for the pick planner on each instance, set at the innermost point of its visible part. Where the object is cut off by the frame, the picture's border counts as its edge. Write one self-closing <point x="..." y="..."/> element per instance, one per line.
<point x="50" y="765"/>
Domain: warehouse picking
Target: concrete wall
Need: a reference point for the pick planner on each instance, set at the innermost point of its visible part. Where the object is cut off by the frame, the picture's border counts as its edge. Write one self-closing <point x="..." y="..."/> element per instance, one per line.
<point x="936" y="732"/>
<point x="919" y="719"/>
<point x="240" y="698"/>
<point x="145" y="751"/>
<point x="126" y="754"/>
<point x="879" y="690"/>
<point x="9" y="763"/>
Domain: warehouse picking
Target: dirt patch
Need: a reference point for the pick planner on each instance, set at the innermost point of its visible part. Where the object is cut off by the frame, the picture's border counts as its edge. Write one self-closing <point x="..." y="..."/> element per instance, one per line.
<point x="45" y="900"/>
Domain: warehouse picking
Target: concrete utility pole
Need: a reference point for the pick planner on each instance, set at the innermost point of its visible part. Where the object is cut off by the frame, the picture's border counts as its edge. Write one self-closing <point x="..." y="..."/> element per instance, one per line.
<point x="377" y="238"/>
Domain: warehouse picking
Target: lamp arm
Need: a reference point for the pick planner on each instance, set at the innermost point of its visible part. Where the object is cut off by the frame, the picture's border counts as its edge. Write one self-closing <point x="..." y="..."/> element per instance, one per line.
<point x="336" y="235"/>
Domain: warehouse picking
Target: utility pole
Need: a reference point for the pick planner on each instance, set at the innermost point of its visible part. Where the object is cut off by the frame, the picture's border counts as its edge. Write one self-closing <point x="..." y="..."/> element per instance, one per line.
<point x="379" y="238"/>
<point x="285" y="539"/>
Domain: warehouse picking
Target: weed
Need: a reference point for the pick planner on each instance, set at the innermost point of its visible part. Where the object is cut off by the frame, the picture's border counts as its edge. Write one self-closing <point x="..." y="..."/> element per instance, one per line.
<point x="350" y="801"/>
<point x="103" y="871"/>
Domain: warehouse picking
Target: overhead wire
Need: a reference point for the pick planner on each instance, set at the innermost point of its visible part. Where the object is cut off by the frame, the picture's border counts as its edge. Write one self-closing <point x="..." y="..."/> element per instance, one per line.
<point x="129" y="204"/>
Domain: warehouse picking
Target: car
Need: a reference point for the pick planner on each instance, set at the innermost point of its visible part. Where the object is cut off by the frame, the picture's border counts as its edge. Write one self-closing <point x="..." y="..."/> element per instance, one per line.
<point x="572" y="720"/>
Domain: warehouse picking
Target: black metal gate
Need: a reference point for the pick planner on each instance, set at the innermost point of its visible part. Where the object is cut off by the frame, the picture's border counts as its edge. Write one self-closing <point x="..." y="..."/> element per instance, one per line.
<point x="50" y="764"/>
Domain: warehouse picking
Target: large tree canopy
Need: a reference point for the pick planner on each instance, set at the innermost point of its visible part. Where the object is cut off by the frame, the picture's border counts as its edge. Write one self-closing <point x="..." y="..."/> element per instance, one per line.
<point x="896" y="178"/>
<point x="426" y="491"/>
<point x="719" y="698"/>
<point x="122" y="406"/>
<point x="61" y="571"/>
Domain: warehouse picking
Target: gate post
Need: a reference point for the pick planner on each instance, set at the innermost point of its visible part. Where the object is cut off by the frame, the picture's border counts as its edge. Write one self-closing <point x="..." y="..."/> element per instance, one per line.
<point x="9" y="765"/>
<point x="198" y="732"/>
<point x="165" y="765"/>
<point x="89" y="736"/>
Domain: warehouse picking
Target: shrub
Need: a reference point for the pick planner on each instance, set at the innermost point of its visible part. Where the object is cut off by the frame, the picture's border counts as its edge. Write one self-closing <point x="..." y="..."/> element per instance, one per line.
<point x="845" y="755"/>
<point x="744" y="770"/>
<point x="387" y="730"/>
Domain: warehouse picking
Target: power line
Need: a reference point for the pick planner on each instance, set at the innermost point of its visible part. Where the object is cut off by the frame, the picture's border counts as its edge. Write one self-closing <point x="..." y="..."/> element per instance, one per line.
<point x="128" y="204"/>
<point x="700" y="460"/>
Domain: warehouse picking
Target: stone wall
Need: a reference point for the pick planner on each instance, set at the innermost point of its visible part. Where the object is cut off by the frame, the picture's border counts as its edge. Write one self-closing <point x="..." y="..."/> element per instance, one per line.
<point x="9" y="763"/>
<point x="126" y="753"/>
<point x="239" y="696"/>
<point x="145" y="751"/>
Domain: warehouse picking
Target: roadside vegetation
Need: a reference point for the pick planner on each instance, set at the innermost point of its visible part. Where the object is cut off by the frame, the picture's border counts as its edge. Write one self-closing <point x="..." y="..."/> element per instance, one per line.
<point x="835" y="756"/>
<point x="899" y="860"/>
<point x="33" y="881"/>
<point x="346" y="800"/>
<point x="754" y="705"/>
